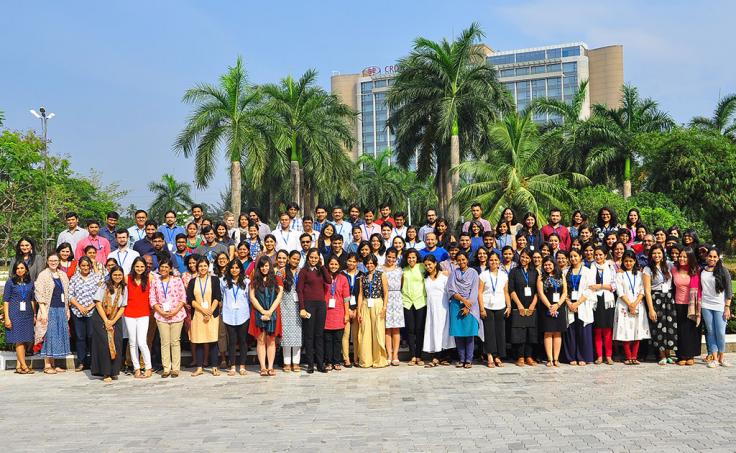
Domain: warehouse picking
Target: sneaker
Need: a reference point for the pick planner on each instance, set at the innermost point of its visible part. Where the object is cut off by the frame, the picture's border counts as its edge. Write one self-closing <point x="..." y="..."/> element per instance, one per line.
<point x="725" y="364"/>
<point x="712" y="364"/>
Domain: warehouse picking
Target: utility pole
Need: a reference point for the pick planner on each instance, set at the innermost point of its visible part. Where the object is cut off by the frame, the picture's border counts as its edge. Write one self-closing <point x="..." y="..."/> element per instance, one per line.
<point x="44" y="117"/>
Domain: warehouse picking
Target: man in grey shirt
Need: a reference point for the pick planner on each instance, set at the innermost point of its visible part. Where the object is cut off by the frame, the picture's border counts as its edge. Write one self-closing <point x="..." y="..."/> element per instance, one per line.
<point x="73" y="234"/>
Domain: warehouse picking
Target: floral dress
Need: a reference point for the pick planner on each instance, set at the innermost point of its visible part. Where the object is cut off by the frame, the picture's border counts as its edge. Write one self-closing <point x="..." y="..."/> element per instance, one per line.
<point x="395" y="307"/>
<point x="291" y="323"/>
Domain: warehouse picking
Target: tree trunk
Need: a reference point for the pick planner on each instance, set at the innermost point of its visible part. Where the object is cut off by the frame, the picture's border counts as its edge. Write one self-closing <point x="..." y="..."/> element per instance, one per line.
<point x="440" y="188"/>
<point x="296" y="184"/>
<point x="454" y="182"/>
<point x="235" y="188"/>
<point x="627" y="178"/>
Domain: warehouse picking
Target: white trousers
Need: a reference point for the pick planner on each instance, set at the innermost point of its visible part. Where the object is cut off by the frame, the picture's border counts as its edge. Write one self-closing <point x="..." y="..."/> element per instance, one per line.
<point x="292" y="355"/>
<point x="137" y="333"/>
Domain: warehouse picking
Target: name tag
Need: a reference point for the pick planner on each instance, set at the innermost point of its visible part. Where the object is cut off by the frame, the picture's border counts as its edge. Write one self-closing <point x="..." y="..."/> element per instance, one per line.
<point x="575" y="295"/>
<point x="296" y="297"/>
<point x="205" y="304"/>
<point x="171" y="247"/>
<point x="371" y="302"/>
<point x="63" y="299"/>
<point x="331" y="303"/>
<point x="23" y="306"/>
<point x="353" y="303"/>
<point x="527" y="291"/>
<point x="167" y="306"/>
<point x="531" y="247"/>
<point x="555" y="297"/>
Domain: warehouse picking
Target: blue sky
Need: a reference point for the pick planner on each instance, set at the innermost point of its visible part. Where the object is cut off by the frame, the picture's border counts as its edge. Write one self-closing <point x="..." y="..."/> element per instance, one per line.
<point x="114" y="73"/>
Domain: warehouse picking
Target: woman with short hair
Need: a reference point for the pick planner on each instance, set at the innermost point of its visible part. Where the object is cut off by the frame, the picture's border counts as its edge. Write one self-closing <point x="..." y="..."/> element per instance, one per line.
<point x="82" y="289"/>
<point x="52" y="325"/>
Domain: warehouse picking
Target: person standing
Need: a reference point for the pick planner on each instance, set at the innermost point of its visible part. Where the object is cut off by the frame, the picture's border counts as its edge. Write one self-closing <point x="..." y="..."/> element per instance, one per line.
<point x="204" y="295"/>
<point x="604" y="305"/>
<point x="170" y="230"/>
<point x="372" y="302"/>
<point x="312" y="309"/>
<point x="73" y="233"/>
<point x="476" y="212"/>
<point x="630" y="324"/>
<point x="255" y="219"/>
<point x="25" y="251"/>
<point x="266" y="292"/>
<point x="211" y="248"/>
<point x="437" y="339"/>
<point x="429" y="226"/>
<point x="82" y="289"/>
<point x="465" y="322"/>
<point x="715" y="281"/>
<point x="124" y="255"/>
<point x="18" y="311"/>
<point x="107" y="326"/>
<point x="101" y="245"/>
<point x="555" y="226"/>
<point x="552" y="291"/>
<point x="286" y="237"/>
<point x="137" y="313"/>
<point x="495" y="306"/>
<point x="530" y="229"/>
<point x="353" y="275"/>
<point x="354" y="215"/>
<point x="394" y="307"/>
<point x="578" y="339"/>
<point x="523" y="293"/>
<point x="686" y="279"/>
<point x="337" y="297"/>
<point x="110" y="228"/>
<point x="138" y="231"/>
<point x="369" y="228"/>
<point x="320" y="218"/>
<point x="236" y="314"/>
<point x="414" y="299"/>
<point x="167" y="298"/>
<point x="657" y="280"/>
<point x="295" y="222"/>
<point x="342" y="227"/>
<point x="145" y="246"/>
<point x="52" y="324"/>
<point x="291" y="341"/>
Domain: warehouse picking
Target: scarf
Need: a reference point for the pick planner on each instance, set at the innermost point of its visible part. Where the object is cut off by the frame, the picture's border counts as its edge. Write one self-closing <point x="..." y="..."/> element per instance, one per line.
<point x="109" y="305"/>
<point x="466" y="284"/>
<point x="610" y="302"/>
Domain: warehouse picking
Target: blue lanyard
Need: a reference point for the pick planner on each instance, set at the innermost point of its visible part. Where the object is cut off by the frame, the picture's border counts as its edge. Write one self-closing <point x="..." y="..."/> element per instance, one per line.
<point x="286" y="241"/>
<point x="201" y="290"/>
<point x="234" y="291"/>
<point x="165" y="289"/>
<point x="120" y="262"/>
<point x="293" y="223"/>
<point x="555" y="285"/>
<point x="170" y="234"/>
<point x="140" y="233"/>
<point x="351" y="282"/>
<point x="575" y="279"/>
<point x="99" y="246"/>
<point x="526" y="276"/>
<point x="631" y="285"/>
<point x="493" y="284"/>
<point x="332" y="287"/>
<point x="370" y="285"/>
<point x="600" y="274"/>
<point x="24" y="290"/>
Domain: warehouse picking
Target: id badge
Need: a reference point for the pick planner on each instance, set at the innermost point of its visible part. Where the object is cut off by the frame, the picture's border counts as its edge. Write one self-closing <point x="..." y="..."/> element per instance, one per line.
<point x="331" y="303"/>
<point x="575" y="295"/>
<point x="171" y="247"/>
<point x="296" y="297"/>
<point x="63" y="299"/>
<point x="555" y="297"/>
<point x="205" y="304"/>
<point x="531" y="247"/>
<point x="23" y="306"/>
<point x="167" y="306"/>
<point x="353" y="303"/>
<point x="371" y="303"/>
<point x="527" y="291"/>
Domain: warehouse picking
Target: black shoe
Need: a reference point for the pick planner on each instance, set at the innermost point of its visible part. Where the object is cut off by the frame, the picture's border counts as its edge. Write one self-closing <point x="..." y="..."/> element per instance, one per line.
<point x="310" y="369"/>
<point x="321" y="369"/>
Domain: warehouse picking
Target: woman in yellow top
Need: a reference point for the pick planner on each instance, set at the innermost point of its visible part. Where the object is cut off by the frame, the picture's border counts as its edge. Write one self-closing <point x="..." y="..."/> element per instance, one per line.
<point x="204" y="294"/>
<point x="415" y="304"/>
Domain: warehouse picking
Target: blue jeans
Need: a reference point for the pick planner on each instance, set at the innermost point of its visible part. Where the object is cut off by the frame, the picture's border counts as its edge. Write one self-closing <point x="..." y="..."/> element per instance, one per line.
<point x="715" y="330"/>
<point x="83" y="337"/>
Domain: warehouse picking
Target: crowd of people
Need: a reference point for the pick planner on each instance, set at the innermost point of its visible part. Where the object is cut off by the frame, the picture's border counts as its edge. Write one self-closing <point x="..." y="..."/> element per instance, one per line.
<point x="349" y="288"/>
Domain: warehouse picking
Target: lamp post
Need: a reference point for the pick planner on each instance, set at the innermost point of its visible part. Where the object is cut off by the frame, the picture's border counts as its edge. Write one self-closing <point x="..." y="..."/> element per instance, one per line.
<point x="44" y="117"/>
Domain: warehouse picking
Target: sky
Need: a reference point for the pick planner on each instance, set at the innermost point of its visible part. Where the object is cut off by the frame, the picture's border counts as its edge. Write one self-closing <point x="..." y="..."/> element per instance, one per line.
<point x="114" y="72"/>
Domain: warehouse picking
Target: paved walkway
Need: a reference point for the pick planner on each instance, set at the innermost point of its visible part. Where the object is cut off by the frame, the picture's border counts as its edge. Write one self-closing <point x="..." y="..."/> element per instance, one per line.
<point x="595" y="408"/>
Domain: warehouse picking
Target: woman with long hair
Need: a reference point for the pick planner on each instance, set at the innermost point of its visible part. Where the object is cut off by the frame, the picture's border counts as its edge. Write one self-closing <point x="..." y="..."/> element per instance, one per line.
<point x="191" y="263"/>
<point x="337" y="297"/>
<point x="313" y="309"/>
<point x="437" y="339"/>
<point x="603" y="288"/>
<point x="395" y="306"/>
<point x="269" y="248"/>
<point x="630" y="321"/>
<point x="444" y="236"/>
<point x="686" y="280"/>
<point x="578" y="339"/>
<point x="291" y="322"/>
<point x="504" y="237"/>
<point x="530" y="228"/>
<point x="715" y="281"/>
<point x="508" y="217"/>
<point x="18" y="310"/>
<point x="66" y="258"/>
<point x="495" y="306"/>
<point x="606" y="222"/>
<point x="378" y="248"/>
<point x="577" y="220"/>
<point x="266" y="292"/>
<point x="82" y="288"/>
<point x="25" y="250"/>
<point x="412" y="239"/>
<point x="633" y="222"/>
<point x="352" y="274"/>
<point x="236" y="314"/>
<point x="465" y="321"/>
<point x="414" y="300"/>
<point x="137" y="313"/>
<point x="107" y="326"/>
<point x="552" y="291"/>
<point x="52" y="325"/>
<point x="324" y="243"/>
<point x="167" y="298"/>
<point x="657" y="281"/>
<point x="372" y="302"/>
<point x="480" y="262"/>
<point x="205" y="295"/>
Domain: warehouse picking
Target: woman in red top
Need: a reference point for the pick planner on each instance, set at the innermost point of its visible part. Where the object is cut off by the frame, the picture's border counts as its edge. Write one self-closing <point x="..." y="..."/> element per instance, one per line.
<point x="337" y="296"/>
<point x="313" y="308"/>
<point x="686" y="280"/>
<point x="137" y="313"/>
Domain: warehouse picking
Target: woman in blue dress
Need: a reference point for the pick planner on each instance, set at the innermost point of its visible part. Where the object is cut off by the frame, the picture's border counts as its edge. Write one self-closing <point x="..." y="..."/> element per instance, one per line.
<point x="52" y="327"/>
<point x="465" y="324"/>
<point x="19" y="313"/>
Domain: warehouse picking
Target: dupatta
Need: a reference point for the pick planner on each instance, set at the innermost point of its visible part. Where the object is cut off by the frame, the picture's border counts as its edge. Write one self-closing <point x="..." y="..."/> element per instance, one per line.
<point x="466" y="284"/>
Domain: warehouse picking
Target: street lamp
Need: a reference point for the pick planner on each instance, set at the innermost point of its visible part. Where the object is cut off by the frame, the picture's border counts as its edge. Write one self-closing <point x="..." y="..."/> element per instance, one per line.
<point x="44" y="117"/>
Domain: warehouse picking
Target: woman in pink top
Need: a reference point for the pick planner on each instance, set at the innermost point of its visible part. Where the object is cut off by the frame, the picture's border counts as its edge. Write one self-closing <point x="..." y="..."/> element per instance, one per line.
<point x="686" y="281"/>
<point x="168" y="297"/>
<point x="337" y="296"/>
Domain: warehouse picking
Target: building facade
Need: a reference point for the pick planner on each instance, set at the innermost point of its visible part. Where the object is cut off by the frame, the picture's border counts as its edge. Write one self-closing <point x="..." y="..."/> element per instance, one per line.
<point x="553" y="72"/>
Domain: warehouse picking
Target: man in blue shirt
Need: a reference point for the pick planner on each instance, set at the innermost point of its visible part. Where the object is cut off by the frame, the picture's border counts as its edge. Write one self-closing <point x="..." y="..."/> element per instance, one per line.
<point x="110" y="230"/>
<point x="431" y="249"/>
<point x="170" y="230"/>
<point x="145" y="246"/>
<point x="138" y="231"/>
<point x="354" y="215"/>
<point x="342" y="227"/>
<point x="179" y="258"/>
<point x="320" y="218"/>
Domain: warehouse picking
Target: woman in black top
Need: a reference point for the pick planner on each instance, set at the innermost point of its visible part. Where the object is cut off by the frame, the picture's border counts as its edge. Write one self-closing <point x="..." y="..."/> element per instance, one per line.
<point x="523" y="292"/>
<point x="552" y="290"/>
<point x="530" y="229"/>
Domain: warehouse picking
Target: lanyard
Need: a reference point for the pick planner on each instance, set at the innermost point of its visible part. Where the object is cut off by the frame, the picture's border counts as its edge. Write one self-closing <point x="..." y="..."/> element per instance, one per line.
<point x="293" y="223"/>
<point x="342" y="227"/>
<point x="351" y="282"/>
<point x="600" y="274"/>
<point x="99" y="246"/>
<point x="120" y="262"/>
<point x="170" y="234"/>
<point x="575" y="279"/>
<point x="370" y="285"/>
<point x="555" y="285"/>
<point x="140" y="233"/>
<point x="202" y="291"/>
<point x="526" y="276"/>
<point x="493" y="284"/>
<point x="234" y="291"/>
<point x="504" y="243"/>
<point x="631" y="285"/>
<point x="332" y="287"/>
<point x="286" y="241"/>
<point x="24" y="290"/>
<point x="165" y="289"/>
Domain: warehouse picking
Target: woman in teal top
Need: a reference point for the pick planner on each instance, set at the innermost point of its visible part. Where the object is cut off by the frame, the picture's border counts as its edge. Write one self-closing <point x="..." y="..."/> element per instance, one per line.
<point x="465" y="324"/>
<point x="415" y="304"/>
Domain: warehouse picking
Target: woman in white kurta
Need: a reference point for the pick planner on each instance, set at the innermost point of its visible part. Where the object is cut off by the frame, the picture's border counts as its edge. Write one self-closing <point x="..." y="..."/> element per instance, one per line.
<point x="437" y="328"/>
<point x="630" y="322"/>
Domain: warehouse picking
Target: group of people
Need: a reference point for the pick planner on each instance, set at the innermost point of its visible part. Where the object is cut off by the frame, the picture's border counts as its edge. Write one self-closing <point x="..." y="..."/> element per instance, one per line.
<point x="349" y="290"/>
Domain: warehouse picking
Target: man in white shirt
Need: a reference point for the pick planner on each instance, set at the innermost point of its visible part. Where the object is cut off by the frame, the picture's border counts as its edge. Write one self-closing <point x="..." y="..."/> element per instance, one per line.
<point x="295" y="221"/>
<point x="73" y="234"/>
<point x="400" y="228"/>
<point x="369" y="228"/>
<point x="342" y="227"/>
<point x="123" y="255"/>
<point x="305" y="243"/>
<point x="137" y="231"/>
<point x="429" y="226"/>
<point x="286" y="237"/>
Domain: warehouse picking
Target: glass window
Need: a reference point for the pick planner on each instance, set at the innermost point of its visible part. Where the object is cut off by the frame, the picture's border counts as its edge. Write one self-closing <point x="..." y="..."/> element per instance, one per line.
<point x="522" y="95"/>
<point x="530" y="56"/>
<point x="539" y="69"/>
<point x="570" y="87"/>
<point x="539" y="89"/>
<point x="365" y="87"/>
<point x="570" y="67"/>
<point x="554" y="53"/>
<point x="506" y="73"/>
<point x="501" y="59"/>
<point x="554" y="67"/>
<point x="510" y="87"/>
<point x="554" y="89"/>
<point x="522" y="71"/>
<point x="380" y="83"/>
<point x="571" y="51"/>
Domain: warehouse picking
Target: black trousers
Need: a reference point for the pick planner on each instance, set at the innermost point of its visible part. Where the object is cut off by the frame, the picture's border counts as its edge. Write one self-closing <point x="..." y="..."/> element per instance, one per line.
<point x="688" y="335"/>
<point x="83" y="337"/>
<point x="314" y="331"/>
<point x="523" y="350"/>
<point x="214" y="352"/>
<point x="237" y="336"/>
<point x="494" y="330"/>
<point x="333" y="346"/>
<point x="414" y="320"/>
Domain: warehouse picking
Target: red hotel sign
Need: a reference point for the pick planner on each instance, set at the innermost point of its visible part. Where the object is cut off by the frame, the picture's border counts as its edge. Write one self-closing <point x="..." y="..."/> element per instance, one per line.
<point x="371" y="71"/>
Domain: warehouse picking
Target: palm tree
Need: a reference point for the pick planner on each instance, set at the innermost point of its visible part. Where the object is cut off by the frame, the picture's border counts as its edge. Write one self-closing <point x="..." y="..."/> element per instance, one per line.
<point x="169" y="195"/>
<point x="617" y="129"/>
<point x="311" y="129"/>
<point x="445" y="93"/>
<point x="230" y="115"/>
<point x="2" y="118"/>
<point x="511" y="172"/>
<point x="723" y="120"/>
<point x="565" y="139"/>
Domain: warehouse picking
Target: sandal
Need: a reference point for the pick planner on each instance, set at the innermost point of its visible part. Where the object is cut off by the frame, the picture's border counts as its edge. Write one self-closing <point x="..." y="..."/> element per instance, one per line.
<point x="337" y="367"/>
<point x="609" y="361"/>
<point x="690" y="362"/>
<point x="444" y="363"/>
<point x="231" y="372"/>
<point x="412" y="362"/>
<point x="582" y="363"/>
<point x="556" y="363"/>
<point x="420" y="362"/>
<point x="499" y="363"/>
<point x="107" y="380"/>
<point x="215" y="371"/>
<point x="682" y="362"/>
<point x="468" y="365"/>
<point x="296" y="368"/>
<point x="490" y="364"/>
<point x="347" y="364"/>
<point x="198" y="372"/>
<point x="271" y="372"/>
<point x="635" y="362"/>
<point x="243" y="371"/>
<point x="573" y="362"/>
<point x="459" y="365"/>
<point x="430" y="365"/>
<point x="287" y="368"/>
<point x="395" y="363"/>
<point x="49" y="370"/>
<point x="28" y="370"/>
<point x="598" y="361"/>
<point x="148" y="374"/>
<point x="662" y="362"/>
<point x="59" y="369"/>
<point x="264" y="372"/>
<point x="549" y="363"/>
